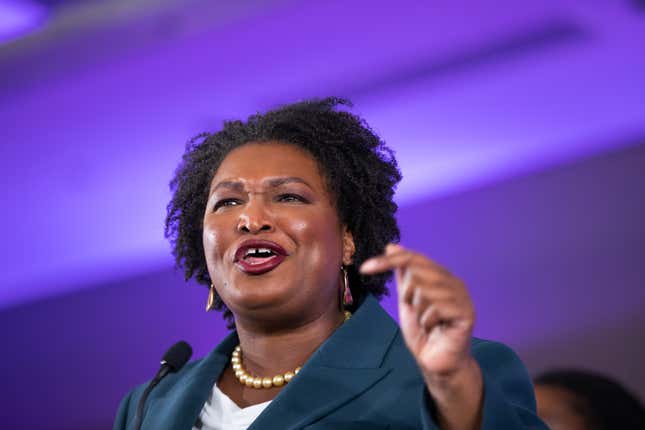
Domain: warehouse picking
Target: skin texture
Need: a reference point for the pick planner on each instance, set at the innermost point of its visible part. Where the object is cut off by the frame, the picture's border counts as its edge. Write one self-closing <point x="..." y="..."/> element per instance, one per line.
<point x="556" y="408"/>
<point x="284" y="315"/>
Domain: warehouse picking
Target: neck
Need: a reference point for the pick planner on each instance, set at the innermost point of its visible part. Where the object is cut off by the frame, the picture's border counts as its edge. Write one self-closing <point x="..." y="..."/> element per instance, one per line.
<point x="268" y="353"/>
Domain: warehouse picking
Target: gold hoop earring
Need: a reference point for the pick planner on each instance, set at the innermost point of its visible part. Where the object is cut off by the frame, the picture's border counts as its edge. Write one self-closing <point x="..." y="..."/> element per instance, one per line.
<point x="210" y="304"/>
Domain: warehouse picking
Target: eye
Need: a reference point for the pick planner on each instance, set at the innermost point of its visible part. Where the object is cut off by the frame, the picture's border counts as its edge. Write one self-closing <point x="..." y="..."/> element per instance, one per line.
<point x="292" y="198"/>
<point x="225" y="202"/>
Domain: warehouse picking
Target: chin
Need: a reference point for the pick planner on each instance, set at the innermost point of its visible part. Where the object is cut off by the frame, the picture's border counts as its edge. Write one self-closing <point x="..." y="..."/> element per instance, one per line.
<point x="255" y="293"/>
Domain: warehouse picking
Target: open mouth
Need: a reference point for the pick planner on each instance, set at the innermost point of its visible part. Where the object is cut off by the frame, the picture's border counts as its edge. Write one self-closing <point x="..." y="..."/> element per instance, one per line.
<point x="258" y="255"/>
<point x="255" y="257"/>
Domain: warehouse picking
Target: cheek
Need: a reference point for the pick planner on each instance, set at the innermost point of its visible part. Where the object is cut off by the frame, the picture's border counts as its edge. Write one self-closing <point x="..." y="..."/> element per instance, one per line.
<point x="209" y="240"/>
<point x="212" y="240"/>
<point x="321" y="241"/>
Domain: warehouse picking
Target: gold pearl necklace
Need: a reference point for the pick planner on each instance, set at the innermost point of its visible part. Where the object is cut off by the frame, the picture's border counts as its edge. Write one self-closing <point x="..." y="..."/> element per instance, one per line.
<point x="249" y="380"/>
<point x="255" y="381"/>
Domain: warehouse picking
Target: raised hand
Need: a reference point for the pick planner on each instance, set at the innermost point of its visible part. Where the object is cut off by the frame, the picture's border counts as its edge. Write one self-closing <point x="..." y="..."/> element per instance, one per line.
<point x="437" y="317"/>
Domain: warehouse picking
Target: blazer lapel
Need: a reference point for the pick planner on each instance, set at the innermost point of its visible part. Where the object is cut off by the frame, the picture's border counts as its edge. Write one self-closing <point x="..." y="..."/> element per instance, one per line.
<point x="345" y="365"/>
<point x="181" y="405"/>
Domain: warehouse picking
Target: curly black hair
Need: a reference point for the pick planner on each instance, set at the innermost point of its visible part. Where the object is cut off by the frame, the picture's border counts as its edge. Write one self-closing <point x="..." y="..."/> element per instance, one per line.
<point x="360" y="172"/>
<point x="603" y="402"/>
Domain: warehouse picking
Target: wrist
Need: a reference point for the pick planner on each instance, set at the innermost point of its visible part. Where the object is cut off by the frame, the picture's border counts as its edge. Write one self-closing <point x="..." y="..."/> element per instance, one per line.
<point x="449" y="375"/>
<point x="458" y="395"/>
<point x="463" y="377"/>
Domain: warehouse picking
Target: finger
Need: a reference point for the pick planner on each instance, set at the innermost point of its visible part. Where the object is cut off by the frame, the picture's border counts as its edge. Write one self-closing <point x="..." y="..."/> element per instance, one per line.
<point x="429" y="318"/>
<point x="445" y="313"/>
<point x="394" y="260"/>
<point x="430" y="313"/>
<point x="440" y="297"/>
<point x="410" y="282"/>
<point x="432" y="284"/>
<point x="385" y="262"/>
<point x="419" y="300"/>
<point x="454" y="313"/>
<point x="404" y="285"/>
<point x="380" y="262"/>
<point x="396" y="256"/>
<point x="391" y="248"/>
<point x="394" y="250"/>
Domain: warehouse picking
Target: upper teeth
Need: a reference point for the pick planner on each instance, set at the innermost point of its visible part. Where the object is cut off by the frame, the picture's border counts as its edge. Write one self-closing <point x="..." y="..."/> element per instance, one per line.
<point x="257" y="251"/>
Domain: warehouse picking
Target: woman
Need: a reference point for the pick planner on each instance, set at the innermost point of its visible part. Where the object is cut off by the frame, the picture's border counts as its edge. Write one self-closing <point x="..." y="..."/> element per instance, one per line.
<point x="289" y="219"/>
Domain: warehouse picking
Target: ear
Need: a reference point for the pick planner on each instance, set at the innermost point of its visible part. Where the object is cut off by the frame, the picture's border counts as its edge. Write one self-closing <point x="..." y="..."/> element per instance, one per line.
<point x="349" y="248"/>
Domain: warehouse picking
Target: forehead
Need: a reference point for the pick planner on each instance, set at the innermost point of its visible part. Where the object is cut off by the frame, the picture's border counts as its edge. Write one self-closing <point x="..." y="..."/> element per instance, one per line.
<point x="256" y="162"/>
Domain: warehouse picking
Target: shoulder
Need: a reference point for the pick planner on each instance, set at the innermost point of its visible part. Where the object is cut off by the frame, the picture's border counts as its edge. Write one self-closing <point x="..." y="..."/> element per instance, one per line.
<point x="501" y="366"/>
<point x="493" y="355"/>
<point x="509" y="399"/>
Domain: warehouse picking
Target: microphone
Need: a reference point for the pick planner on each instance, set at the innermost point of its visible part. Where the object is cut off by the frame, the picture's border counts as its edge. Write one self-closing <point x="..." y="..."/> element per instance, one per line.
<point x="173" y="360"/>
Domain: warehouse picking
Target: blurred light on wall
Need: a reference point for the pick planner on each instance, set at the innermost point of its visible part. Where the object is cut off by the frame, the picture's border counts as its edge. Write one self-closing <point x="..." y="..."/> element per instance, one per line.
<point x="19" y="17"/>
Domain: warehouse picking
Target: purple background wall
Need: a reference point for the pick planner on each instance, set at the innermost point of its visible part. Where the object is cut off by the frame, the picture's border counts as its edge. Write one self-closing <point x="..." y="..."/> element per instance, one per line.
<point x="520" y="132"/>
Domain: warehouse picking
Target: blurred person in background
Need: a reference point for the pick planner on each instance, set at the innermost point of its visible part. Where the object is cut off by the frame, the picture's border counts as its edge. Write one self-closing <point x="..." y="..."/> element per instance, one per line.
<point x="288" y="219"/>
<point x="569" y="399"/>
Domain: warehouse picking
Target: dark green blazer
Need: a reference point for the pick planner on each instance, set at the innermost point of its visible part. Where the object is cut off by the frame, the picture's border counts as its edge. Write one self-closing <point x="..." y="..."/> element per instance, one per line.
<point x="362" y="377"/>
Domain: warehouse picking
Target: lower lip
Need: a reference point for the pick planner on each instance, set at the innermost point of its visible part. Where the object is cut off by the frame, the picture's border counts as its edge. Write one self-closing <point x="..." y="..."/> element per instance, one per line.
<point x="258" y="269"/>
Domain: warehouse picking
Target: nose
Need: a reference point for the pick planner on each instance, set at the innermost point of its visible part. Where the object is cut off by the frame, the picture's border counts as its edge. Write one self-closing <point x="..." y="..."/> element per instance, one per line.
<point x="254" y="219"/>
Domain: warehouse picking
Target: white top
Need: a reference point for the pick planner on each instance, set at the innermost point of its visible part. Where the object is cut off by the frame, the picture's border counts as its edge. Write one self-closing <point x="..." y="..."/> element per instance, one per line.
<point x="221" y="413"/>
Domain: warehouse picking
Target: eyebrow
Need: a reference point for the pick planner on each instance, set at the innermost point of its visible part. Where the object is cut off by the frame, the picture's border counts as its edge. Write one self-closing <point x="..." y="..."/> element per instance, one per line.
<point x="276" y="182"/>
<point x="272" y="183"/>
<point x="231" y="185"/>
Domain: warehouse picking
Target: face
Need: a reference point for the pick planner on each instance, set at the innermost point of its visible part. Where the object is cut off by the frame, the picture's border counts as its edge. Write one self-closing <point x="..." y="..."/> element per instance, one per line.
<point x="556" y="408"/>
<point x="272" y="238"/>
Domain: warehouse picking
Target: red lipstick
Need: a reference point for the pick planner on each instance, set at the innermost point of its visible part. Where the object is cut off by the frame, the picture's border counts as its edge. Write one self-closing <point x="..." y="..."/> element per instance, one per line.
<point x="255" y="256"/>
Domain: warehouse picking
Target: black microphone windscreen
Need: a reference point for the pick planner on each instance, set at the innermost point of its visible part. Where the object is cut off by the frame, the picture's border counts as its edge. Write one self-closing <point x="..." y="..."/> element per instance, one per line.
<point x="177" y="355"/>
